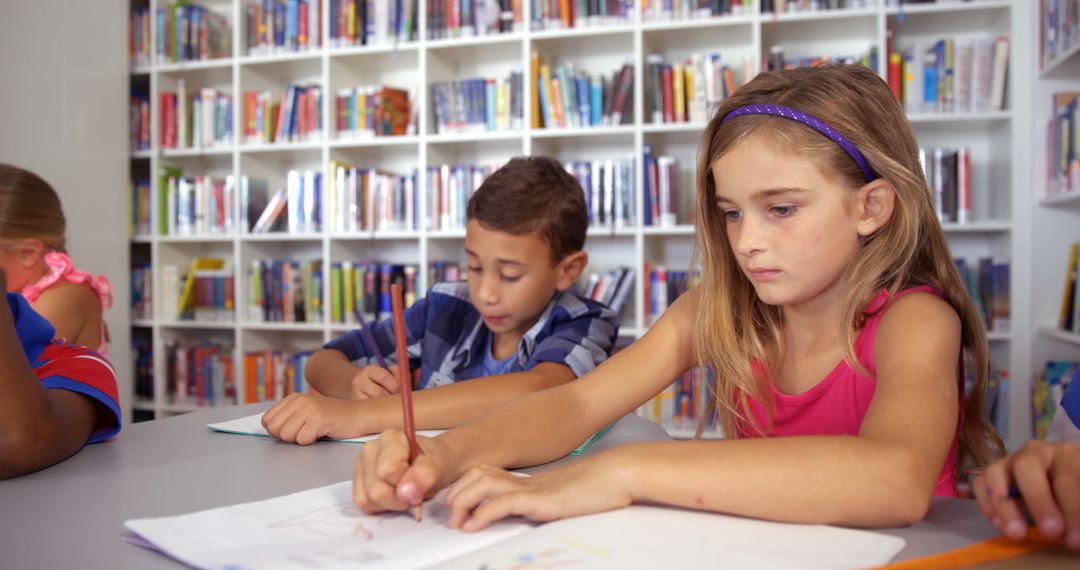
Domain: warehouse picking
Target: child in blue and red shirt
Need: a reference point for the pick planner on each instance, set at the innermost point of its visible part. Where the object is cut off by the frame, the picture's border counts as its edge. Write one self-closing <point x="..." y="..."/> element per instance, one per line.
<point x="57" y="396"/>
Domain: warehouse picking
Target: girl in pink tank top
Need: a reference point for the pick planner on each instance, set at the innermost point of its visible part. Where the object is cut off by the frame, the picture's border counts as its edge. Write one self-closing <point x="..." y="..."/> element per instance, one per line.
<point x="830" y="314"/>
<point x="32" y="253"/>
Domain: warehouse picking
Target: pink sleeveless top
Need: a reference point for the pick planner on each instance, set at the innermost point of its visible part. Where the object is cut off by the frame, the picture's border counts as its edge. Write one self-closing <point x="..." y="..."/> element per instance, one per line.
<point x="60" y="267"/>
<point x="838" y="404"/>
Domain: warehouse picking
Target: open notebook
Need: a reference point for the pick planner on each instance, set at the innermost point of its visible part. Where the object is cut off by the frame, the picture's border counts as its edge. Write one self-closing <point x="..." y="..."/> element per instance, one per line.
<point x="321" y="529"/>
<point x="252" y="425"/>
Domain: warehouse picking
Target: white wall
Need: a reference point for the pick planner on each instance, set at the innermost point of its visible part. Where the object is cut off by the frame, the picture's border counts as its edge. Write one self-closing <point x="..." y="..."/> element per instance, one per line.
<point x="63" y="115"/>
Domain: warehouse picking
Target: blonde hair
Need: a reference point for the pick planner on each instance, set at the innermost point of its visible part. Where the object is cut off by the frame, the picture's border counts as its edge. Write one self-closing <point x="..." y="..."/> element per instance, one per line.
<point x="30" y="208"/>
<point x="734" y="327"/>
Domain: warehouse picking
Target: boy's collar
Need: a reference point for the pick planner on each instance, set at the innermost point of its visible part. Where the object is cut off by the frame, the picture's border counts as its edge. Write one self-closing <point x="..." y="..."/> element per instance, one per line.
<point x="474" y="343"/>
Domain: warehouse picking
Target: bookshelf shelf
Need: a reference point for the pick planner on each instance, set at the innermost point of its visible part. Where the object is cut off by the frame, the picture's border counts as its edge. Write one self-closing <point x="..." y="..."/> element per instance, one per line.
<point x="997" y="336"/>
<point x="810" y="16"/>
<point x="688" y="433"/>
<point x="373" y="49"/>
<point x="182" y="408"/>
<point x="1058" y="334"/>
<point x="493" y="39"/>
<point x="1067" y="64"/>
<point x="222" y="63"/>
<point x="947" y="8"/>
<point x="143" y="406"/>
<point x="693" y="24"/>
<point x="358" y="142"/>
<point x="416" y="65"/>
<point x="1062" y="200"/>
<point x="959" y="117"/>
<point x="197" y="325"/>
<point x="587" y="31"/>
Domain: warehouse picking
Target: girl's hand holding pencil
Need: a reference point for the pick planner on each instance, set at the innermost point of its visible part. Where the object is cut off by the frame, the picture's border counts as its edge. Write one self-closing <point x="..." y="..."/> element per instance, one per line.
<point x="384" y="480"/>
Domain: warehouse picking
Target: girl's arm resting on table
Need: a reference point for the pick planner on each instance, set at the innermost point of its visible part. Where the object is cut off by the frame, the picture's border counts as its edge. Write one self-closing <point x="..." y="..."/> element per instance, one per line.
<point x="38" y="427"/>
<point x="884" y="476"/>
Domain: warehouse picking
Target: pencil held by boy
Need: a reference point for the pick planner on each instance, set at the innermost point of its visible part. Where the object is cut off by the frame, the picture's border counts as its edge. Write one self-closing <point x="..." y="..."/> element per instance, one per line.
<point x="830" y="312"/>
<point x="57" y="396"/>
<point x="515" y="327"/>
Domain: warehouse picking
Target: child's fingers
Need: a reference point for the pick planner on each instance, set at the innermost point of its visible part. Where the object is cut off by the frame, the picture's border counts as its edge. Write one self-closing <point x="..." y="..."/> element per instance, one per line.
<point x="502" y="506"/>
<point x="386" y="379"/>
<point x="419" y="480"/>
<point x="982" y="495"/>
<point x="484" y="484"/>
<point x="384" y="464"/>
<point x="309" y="431"/>
<point x="272" y="416"/>
<point x="1031" y="470"/>
<point x="1066" y="483"/>
<point x="1012" y="520"/>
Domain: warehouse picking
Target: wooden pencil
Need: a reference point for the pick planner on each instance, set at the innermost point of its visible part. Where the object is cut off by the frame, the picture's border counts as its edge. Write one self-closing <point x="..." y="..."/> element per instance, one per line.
<point x="404" y="377"/>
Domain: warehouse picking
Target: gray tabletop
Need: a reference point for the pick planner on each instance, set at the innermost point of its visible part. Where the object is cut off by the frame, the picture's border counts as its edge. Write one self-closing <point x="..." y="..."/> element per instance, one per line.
<point x="72" y="514"/>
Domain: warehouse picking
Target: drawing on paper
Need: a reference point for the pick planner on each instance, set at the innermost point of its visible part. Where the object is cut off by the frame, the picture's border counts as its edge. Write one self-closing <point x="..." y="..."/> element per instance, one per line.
<point x="345" y="520"/>
<point x="568" y="552"/>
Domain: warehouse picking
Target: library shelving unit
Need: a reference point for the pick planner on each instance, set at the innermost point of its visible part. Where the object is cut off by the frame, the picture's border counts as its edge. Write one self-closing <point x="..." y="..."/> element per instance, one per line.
<point x="1056" y="212"/>
<point x="743" y="40"/>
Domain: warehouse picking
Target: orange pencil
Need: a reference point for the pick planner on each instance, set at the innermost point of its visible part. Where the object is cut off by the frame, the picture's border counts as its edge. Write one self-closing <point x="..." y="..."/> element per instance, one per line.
<point x="404" y="377"/>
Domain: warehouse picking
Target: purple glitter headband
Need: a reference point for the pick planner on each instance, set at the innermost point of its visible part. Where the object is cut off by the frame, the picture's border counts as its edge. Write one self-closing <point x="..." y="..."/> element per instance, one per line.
<point x="810" y="121"/>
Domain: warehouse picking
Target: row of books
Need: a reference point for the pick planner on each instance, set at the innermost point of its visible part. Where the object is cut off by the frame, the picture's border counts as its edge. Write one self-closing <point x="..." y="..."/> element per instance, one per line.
<point x="987" y="282"/>
<point x="203" y="119"/>
<point x="683" y="404"/>
<point x="139" y="121"/>
<point x="449" y="189"/>
<point x="377" y="111"/>
<point x="368" y="200"/>
<point x="661" y="189"/>
<point x="778" y="60"/>
<point x="796" y="6"/>
<point x="565" y="14"/>
<point x="364" y="286"/>
<point x="296" y="118"/>
<point x="470" y="18"/>
<point x="199" y="373"/>
<point x="674" y="10"/>
<point x="204" y="293"/>
<point x="1062" y="142"/>
<point x="951" y="75"/>
<point x="1046" y="392"/>
<point x="997" y="398"/>
<point x="190" y="32"/>
<point x="687" y="91"/>
<point x="372" y="22"/>
<point x="140" y="207"/>
<point x="278" y="26"/>
<point x="662" y="287"/>
<point x="1059" y="29"/>
<point x="1069" y="315"/>
<point x="440" y="271"/>
<point x="273" y="374"/>
<point x="142" y="291"/>
<point x="140" y="49"/>
<point x="478" y="104"/>
<point x="142" y="365"/>
<point x="199" y="205"/>
<point x="610" y="287"/>
<point x="948" y="175"/>
<point x="570" y="98"/>
<point x="609" y="190"/>
<point x="285" y="291"/>
<point x="296" y="208"/>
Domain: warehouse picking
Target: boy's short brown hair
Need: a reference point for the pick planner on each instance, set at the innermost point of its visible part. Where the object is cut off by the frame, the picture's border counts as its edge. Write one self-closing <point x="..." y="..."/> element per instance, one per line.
<point x="534" y="193"/>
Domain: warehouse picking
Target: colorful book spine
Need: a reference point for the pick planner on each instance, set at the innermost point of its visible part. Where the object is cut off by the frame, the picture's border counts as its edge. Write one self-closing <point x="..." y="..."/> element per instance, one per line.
<point x="199" y="373"/>
<point x="374" y="112"/>
<point x="370" y="200"/>
<point x="608" y="186"/>
<point x="449" y="190"/>
<point x="189" y="32"/>
<point x="365" y="287"/>
<point x="142" y="292"/>
<point x="297" y="117"/>
<point x="282" y="26"/>
<point x="285" y="291"/>
<point x="273" y="374"/>
<point x="469" y="105"/>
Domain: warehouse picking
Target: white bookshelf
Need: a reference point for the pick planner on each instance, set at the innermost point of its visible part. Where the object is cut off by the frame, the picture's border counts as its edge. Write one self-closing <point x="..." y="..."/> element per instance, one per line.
<point x="1056" y="217"/>
<point x="1000" y="214"/>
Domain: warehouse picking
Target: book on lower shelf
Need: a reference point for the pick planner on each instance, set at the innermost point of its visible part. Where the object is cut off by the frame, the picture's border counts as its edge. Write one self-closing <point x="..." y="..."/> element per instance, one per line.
<point x="142" y="366"/>
<point x="1062" y="142"/>
<point x="478" y="104"/>
<point x="199" y="205"/>
<point x="205" y="293"/>
<point x="686" y="91"/>
<point x="285" y="291"/>
<point x="273" y="374"/>
<point x="296" y="208"/>
<point x="449" y="190"/>
<point x="1047" y="389"/>
<point x="682" y="406"/>
<point x="199" y="373"/>
<point x="374" y="111"/>
<point x="611" y="288"/>
<point x="365" y="286"/>
<point x="370" y="199"/>
<point x="608" y="185"/>
<point x="987" y="280"/>
<point x="660" y="189"/>
<point x="662" y="287"/>
<point x="296" y="117"/>
<point x="142" y="291"/>
<point x="948" y="174"/>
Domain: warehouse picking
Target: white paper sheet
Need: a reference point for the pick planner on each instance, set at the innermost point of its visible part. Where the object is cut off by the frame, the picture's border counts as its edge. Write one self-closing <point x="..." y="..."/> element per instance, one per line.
<point x="659" y="537"/>
<point x="252" y="425"/>
<point x="318" y="529"/>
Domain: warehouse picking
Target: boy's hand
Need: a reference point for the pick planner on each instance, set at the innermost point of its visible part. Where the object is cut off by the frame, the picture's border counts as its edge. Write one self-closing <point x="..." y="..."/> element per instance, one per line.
<point x="383" y="480"/>
<point x="1048" y="477"/>
<point x="304" y="418"/>
<point x="374" y="381"/>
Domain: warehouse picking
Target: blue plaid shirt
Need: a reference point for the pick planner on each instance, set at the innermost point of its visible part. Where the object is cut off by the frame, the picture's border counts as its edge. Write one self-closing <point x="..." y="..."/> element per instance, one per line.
<point x="447" y="337"/>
